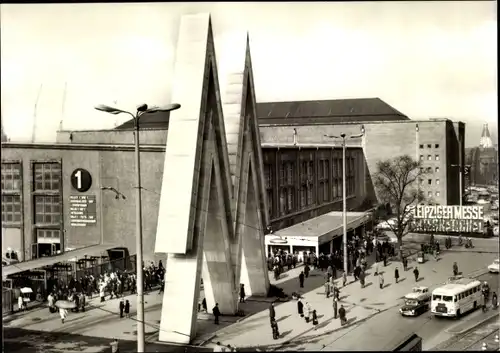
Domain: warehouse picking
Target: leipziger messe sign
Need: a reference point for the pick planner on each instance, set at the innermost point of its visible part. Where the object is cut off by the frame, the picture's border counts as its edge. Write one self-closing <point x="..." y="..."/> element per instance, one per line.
<point x="463" y="219"/>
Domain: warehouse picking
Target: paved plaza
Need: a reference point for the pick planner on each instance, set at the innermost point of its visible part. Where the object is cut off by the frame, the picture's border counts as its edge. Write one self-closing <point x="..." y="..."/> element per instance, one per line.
<point x="364" y="307"/>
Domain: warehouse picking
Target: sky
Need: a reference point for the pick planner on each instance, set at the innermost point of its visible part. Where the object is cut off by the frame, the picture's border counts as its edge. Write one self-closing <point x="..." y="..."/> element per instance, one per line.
<point x="426" y="59"/>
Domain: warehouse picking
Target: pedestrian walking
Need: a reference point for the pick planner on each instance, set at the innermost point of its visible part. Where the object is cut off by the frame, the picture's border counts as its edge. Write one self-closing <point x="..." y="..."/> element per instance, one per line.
<point x="435" y="254"/>
<point x="218" y="347"/>
<point x="301" y="279"/>
<point x="415" y="273"/>
<point x="308" y="312"/>
<point x="405" y="264"/>
<point x="300" y="308"/>
<point x="204" y="304"/>
<point x="385" y="260"/>
<point x="216" y="313"/>
<point x="376" y="269"/>
<point x="483" y="303"/>
<point x="344" y="279"/>
<point x="114" y="346"/>
<point x="306" y="270"/>
<point x="122" y="307"/>
<point x="127" y="309"/>
<point x="362" y="278"/>
<point x="335" y="308"/>
<point x="455" y="269"/>
<point x="272" y="312"/>
<point x="494" y="300"/>
<point x="20" y="302"/>
<point x="327" y="289"/>
<point x="314" y="318"/>
<point x="381" y="280"/>
<point x="242" y="293"/>
<point x="342" y="315"/>
<point x="63" y="313"/>
<point x="396" y="274"/>
<point x="275" y="329"/>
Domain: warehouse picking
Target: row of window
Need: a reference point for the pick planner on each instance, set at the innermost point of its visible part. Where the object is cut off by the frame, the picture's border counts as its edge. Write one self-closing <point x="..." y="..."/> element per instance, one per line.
<point x="47" y="209"/>
<point x="292" y="197"/>
<point x="46" y="177"/>
<point x="429" y="145"/>
<point x="46" y="202"/>
<point x="429" y="170"/>
<point x="429" y="157"/>
<point x="429" y="181"/>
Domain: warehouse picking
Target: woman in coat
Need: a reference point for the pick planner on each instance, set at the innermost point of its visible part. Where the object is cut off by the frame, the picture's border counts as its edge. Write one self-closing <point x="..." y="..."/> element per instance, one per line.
<point x="306" y="311"/>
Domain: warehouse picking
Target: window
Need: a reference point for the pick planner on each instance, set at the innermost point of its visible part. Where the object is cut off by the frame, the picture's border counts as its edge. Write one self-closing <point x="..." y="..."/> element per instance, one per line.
<point x="438" y="193"/>
<point x="437" y="169"/>
<point x="429" y="170"/>
<point x="421" y="169"/>
<point x="48" y="234"/>
<point x="47" y="176"/>
<point x="11" y="208"/>
<point x="429" y="157"/>
<point x="11" y="177"/>
<point x="421" y="146"/>
<point x="324" y="181"/>
<point x="429" y="181"/>
<point x="286" y="191"/>
<point x="429" y="194"/>
<point x="47" y="209"/>
<point x="436" y="145"/>
<point x="429" y="145"/>
<point x="437" y="157"/>
<point x="421" y="157"/>
<point x="437" y="181"/>
<point x="268" y="176"/>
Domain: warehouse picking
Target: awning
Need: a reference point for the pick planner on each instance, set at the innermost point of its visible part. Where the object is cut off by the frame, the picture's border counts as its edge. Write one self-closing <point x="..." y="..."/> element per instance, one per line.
<point x="320" y="230"/>
<point x="50" y="260"/>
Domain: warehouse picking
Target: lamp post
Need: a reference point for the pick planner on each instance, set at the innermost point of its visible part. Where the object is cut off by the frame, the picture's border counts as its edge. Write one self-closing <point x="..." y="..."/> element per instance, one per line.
<point x="344" y="195"/>
<point x="141" y="110"/>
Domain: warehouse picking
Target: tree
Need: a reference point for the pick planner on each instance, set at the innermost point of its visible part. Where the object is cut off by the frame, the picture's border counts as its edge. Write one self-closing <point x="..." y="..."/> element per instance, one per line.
<point x="396" y="182"/>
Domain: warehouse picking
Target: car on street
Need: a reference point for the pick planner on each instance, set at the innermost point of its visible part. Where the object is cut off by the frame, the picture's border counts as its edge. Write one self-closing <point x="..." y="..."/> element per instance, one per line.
<point x="417" y="302"/>
<point x="494" y="267"/>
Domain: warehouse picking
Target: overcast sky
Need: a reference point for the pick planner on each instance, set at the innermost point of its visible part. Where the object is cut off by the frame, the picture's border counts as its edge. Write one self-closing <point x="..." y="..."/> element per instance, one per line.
<point x="426" y="59"/>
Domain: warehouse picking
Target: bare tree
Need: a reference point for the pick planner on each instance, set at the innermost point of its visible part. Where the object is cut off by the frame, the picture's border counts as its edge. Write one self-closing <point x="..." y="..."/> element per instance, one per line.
<point x="396" y="182"/>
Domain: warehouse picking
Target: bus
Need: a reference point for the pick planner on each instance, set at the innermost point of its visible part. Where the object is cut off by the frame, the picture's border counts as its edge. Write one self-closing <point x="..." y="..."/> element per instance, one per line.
<point x="456" y="297"/>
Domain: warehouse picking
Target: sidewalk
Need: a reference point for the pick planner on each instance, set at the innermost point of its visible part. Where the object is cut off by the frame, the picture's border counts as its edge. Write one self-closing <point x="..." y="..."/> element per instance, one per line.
<point x="360" y="304"/>
<point x="487" y="245"/>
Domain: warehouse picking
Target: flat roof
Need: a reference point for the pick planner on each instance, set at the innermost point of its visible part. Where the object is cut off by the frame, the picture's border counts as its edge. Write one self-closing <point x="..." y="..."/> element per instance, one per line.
<point x="323" y="228"/>
<point x="50" y="260"/>
<point x="307" y="145"/>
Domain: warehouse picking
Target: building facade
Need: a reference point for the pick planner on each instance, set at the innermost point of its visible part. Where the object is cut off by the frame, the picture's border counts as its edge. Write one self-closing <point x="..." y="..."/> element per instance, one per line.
<point x="302" y="173"/>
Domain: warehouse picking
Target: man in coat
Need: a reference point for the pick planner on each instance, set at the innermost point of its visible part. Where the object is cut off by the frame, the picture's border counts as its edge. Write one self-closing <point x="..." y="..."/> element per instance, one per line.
<point x="122" y="307"/>
<point x="272" y="312"/>
<point x="335" y="308"/>
<point x="216" y="313"/>
<point x="396" y="274"/>
<point x="342" y="315"/>
<point x="301" y="279"/>
<point x="300" y="308"/>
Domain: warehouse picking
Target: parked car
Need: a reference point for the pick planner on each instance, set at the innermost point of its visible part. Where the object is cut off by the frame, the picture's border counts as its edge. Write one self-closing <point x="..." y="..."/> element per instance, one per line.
<point x="494" y="267"/>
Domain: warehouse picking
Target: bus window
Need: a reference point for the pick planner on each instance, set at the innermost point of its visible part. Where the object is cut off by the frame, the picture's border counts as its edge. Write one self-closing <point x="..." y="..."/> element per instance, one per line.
<point x="436" y="297"/>
<point x="447" y="298"/>
<point x="455" y="299"/>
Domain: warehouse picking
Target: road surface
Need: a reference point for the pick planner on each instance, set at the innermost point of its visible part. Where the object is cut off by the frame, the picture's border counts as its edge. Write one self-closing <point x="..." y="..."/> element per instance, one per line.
<point x="386" y="329"/>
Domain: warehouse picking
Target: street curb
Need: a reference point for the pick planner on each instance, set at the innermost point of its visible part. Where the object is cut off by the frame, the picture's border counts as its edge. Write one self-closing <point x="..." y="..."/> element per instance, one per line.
<point x="473" y="326"/>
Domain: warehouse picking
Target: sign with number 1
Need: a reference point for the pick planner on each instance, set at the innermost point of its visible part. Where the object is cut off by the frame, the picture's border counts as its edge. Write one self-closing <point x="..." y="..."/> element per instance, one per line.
<point x="81" y="180"/>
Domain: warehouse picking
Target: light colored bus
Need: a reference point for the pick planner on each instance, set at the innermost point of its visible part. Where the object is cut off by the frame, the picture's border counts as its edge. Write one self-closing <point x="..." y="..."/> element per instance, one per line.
<point x="456" y="297"/>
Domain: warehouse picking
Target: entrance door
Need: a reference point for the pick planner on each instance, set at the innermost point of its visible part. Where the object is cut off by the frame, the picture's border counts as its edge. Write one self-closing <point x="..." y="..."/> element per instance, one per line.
<point x="49" y="241"/>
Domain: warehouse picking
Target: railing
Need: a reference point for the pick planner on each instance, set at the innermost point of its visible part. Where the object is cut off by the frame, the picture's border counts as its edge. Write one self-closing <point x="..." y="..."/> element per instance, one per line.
<point x="126" y="264"/>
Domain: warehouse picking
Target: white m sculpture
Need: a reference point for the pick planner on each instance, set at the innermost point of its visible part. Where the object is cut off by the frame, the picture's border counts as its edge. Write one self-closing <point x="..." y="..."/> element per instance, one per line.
<point x="213" y="206"/>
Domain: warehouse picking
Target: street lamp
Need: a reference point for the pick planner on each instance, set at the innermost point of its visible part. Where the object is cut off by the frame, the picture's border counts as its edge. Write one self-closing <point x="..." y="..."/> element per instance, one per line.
<point x="344" y="196"/>
<point x="141" y="110"/>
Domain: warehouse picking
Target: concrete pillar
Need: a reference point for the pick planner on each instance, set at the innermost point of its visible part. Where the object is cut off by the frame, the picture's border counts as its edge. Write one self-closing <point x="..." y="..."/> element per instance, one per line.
<point x="291" y="249"/>
<point x="317" y="249"/>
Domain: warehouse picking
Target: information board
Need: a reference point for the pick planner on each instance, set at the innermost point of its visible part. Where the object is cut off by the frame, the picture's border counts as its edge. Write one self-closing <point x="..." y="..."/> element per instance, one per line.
<point x="83" y="210"/>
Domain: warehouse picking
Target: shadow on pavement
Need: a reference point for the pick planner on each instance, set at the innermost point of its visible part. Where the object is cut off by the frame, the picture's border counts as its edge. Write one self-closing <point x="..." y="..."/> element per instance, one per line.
<point x="19" y="341"/>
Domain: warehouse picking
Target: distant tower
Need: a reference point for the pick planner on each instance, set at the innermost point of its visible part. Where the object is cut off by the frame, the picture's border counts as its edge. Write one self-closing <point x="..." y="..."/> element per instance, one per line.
<point x="485" y="141"/>
<point x="4" y="137"/>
